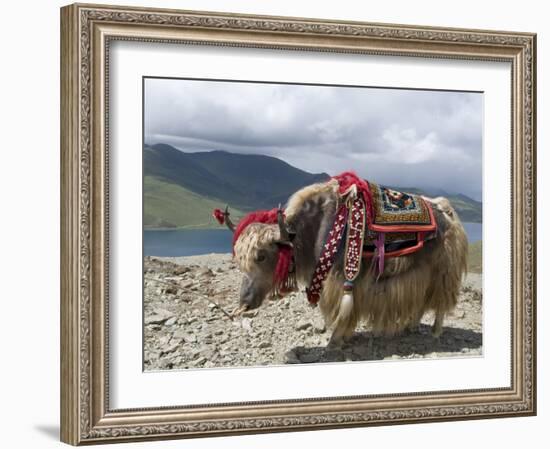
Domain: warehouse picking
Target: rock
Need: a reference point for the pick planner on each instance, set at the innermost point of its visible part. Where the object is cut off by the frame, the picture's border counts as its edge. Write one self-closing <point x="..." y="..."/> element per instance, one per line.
<point x="185" y="335"/>
<point x="164" y="312"/>
<point x="190" y="338"/>
<point x="176" y="341"/>
<point x="170" y="321"/>
<point x="180" y="270"/>
<point x="166" y="364"/>
<point x="156" y="319"/>
<point x="171" y="279"/>
<point x="194" y="353"/>
<point x="207" y="272"/>
<point x="163" y="341"/>
<point x="246" y="324"/>
<point x="171" y="348"/>
<point x="319" y="327"/>
<point x="180" y="333"/>
<point x="303" y="325"/>
<point x="199" y="361"/>
<point x="152" y="355"/>
<point x="264" y="344"/>
<point x="291" y="357"/>
<point x="208" y="353"/>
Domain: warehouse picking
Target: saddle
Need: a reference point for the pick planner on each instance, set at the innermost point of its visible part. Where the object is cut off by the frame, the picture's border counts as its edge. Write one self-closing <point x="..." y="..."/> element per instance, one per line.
<point x="405" y="219"/>
<point x="375" y="222"/>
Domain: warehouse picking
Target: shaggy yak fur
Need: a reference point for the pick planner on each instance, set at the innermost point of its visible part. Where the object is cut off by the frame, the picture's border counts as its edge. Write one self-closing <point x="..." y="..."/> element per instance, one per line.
<point x="409" y="286"/>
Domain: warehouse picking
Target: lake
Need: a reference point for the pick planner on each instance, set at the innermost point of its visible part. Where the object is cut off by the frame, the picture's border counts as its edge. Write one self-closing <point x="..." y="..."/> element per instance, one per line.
<point x="192" y="242"/>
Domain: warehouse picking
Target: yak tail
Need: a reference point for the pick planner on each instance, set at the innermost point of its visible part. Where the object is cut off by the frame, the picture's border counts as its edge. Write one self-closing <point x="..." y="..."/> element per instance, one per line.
<point x="345" y="311"/>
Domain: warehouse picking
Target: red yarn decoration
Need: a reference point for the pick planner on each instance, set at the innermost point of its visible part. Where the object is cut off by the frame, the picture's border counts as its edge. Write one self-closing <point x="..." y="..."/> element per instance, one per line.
<point x="219" y="216"/>
<point x="283" y="264"/>
<point x="259" y="216"/>
<point x="285" y="251"/>
<point x="349" y="178"/>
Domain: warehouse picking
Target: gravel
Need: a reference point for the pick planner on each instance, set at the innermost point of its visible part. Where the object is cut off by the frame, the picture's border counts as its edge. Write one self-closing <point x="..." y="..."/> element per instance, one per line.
<point x="186" y="326"/>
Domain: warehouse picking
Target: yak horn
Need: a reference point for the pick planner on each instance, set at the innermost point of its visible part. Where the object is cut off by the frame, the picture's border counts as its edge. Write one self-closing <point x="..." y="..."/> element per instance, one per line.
<point x="227" y="220"/>
<point x="283" y="231"/>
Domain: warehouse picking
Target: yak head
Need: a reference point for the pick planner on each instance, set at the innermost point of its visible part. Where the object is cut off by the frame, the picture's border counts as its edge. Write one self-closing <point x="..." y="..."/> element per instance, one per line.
<point x="263" y="250"/>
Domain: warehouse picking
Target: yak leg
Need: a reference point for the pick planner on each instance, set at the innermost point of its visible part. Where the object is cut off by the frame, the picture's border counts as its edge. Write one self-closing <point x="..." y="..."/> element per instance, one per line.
<point x="335" y="342"/>
<point x="437" y="327"/>
<point x="343" y="332"/>
<point x="414" y="324"/>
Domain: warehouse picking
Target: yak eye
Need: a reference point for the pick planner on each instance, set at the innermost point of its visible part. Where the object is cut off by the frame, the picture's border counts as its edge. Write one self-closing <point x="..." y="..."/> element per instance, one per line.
<point x="260" y="257"/>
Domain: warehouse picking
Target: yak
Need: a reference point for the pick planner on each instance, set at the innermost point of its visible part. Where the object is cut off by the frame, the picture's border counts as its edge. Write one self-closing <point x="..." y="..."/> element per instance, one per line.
<point x="390" y="301"/>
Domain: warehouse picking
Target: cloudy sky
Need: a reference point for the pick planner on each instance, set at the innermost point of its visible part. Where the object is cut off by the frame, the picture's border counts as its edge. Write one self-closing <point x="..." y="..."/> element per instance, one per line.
<point x="426" y="139"/>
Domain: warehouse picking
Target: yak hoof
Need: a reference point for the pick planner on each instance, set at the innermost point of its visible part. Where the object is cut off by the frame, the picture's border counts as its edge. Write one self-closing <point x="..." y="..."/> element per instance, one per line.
<point x="437" y="328"/>
<point x="437" y="331"/>
<point x="411" y="330"/>
<point x="336" y="342"/>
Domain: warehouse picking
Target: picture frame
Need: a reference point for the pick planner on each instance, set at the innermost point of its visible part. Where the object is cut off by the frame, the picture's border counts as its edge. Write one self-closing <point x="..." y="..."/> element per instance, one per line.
<point x="87" y="33"/>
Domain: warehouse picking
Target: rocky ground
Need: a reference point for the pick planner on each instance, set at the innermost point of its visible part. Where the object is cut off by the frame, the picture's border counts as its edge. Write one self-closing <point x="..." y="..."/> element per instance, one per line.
<point x="186" y="325"/>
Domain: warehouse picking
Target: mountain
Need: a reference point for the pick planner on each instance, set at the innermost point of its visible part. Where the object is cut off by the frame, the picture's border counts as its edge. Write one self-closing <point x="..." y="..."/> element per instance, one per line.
<point x="245" y="182"/>
<point x="181" y="189"/>
<point x="168" y="205"/>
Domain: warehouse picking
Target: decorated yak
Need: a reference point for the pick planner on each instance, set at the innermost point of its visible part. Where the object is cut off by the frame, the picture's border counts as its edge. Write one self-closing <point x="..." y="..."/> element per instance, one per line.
<point x="363" y="252"/>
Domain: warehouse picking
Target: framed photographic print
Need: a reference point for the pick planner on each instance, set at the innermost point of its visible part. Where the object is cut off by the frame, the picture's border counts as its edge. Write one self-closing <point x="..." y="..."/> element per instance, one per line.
<point x="280" y="224"/>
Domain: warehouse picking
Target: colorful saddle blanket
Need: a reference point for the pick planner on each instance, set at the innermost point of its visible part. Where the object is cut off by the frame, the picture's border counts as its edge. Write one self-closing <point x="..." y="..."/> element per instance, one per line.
<point x="395" y="211"/>
<point x="405" y="219"/>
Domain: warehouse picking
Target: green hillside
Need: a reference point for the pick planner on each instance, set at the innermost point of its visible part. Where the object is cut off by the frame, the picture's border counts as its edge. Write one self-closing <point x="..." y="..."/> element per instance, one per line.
<point x="246" y="182"/>
<point x="167" y="205"/>
<point x="468" y="210"/>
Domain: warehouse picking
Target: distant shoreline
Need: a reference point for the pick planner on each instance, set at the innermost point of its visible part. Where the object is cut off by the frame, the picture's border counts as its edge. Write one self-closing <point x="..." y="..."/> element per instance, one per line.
<point x="180" y="228"/>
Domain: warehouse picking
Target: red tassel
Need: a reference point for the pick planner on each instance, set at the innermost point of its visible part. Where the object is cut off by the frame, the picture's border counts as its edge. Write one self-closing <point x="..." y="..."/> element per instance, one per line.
<point x="219" y="216"/>
<point x="283" y="264"/>
<point x="260" y="216"/>
<point x="349" y="178"/>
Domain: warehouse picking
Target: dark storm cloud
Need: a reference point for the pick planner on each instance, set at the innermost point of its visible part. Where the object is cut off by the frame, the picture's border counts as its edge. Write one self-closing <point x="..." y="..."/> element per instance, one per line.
<point x="400" y="137"/>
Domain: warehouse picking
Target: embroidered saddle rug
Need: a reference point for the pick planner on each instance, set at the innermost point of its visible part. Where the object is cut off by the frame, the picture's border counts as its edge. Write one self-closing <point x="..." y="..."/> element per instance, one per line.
<point x="406" y="220"/>
<point x="377" y="222"/>
<point x="398" y="211"/>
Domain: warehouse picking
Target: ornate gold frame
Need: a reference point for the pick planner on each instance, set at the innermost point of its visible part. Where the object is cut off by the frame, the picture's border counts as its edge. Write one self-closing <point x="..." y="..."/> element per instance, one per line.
<point x="86" y="31"/>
